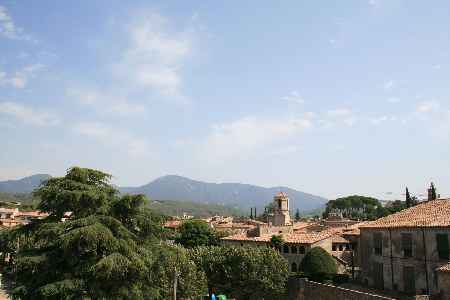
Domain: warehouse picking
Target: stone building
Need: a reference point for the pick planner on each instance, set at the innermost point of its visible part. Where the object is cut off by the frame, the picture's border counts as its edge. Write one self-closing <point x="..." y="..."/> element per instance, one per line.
<point x="295" y="246"/>
<point x="408" y="251"/>
<point x="298" y="237"/>
<point x="280" y="216"/>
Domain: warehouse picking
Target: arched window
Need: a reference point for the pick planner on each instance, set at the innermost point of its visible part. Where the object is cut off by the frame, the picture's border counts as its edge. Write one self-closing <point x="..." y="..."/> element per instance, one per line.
<point x="340" y="248"/>
<point x="294" y="249"/>
<point x="286" y="249"/>
<point x="294" y="267"/>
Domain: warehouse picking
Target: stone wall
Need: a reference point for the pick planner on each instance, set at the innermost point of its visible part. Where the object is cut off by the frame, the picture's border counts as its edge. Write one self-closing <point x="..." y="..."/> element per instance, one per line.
<point x="444" y="285"/>
<point x="424" y="259"/>
<point x="303" y="289"/>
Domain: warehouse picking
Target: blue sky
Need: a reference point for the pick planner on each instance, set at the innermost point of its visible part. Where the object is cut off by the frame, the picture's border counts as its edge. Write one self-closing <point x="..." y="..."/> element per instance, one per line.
<point x="328" y="97"/>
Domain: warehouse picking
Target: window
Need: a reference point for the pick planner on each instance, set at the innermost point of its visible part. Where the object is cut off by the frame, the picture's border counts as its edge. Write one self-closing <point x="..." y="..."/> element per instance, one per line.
<point x="341" y="248"/>
<point x="286" y="249"/>
<point x="333" y="247"/>
<point x="407" y="244"/>
<point x="293" y="249"/>
<point x="442" y="245"/>
<point x="294" y="267"/>
<point x="378" y="243"/>
<point x="409" y="280"/>
<point x="378" y="275"/>
<point x="347" y="247"/>
<point x="302" y="250"/>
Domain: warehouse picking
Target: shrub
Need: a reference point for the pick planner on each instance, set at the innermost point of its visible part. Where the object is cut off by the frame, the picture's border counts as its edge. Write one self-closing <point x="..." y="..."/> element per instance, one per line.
<point x="318" y="265"/>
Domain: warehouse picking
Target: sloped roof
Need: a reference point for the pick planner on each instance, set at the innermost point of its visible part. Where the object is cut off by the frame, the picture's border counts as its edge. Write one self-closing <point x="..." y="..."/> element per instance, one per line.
<point x="434" y="213"/>
<point x="339" y="239"/>
<point x="293" y="238"/>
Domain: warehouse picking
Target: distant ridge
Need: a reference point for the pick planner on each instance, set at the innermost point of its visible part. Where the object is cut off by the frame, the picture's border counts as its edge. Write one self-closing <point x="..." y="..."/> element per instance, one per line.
<point x="243" y="196"/>
<point x="178" y="188"/>
<point x="24" y="185"/>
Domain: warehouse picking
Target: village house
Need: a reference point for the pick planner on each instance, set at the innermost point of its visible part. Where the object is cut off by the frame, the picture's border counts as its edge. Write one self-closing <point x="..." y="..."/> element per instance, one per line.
<point x="298" y="237"/>
<point x="409" y="251"/>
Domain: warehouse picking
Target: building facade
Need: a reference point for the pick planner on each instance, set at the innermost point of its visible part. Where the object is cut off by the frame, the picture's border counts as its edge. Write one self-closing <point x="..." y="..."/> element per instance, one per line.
<point x="405" y="251"/>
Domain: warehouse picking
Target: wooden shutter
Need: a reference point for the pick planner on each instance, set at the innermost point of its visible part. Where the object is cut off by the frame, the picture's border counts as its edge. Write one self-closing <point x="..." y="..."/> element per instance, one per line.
<point x="442" y="245"/>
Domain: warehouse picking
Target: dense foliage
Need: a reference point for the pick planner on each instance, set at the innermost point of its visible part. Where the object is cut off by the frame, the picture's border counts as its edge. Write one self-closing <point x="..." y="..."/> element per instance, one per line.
<point x="107" y="250"/>
<point x="243" y="272"/>
<point x="318" y="264"/>
<point x="21" y="201"/>
<point x="276" y="241"/>
<point x="199" y="210"/>
<point x="194" y="233"/>
<point x="113" y="247"/>
<point x="362" y="208"/>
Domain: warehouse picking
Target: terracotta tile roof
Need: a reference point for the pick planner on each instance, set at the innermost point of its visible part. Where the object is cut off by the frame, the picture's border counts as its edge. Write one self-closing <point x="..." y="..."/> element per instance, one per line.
<point x="32" y="214"/>
<point x="281" y="195"/>
<point x="301" y="225"/>
<point x="444" y="268"/>
<point x="435" y="213"/>
<point x="339" y="239"/>
<point x="172" y="224"/>
<point x="354" y="228"/>
<point x="293" y="238"/>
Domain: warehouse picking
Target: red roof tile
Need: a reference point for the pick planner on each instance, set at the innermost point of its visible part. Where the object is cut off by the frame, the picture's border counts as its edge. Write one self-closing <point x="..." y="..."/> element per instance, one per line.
<point x="435" y="213"/>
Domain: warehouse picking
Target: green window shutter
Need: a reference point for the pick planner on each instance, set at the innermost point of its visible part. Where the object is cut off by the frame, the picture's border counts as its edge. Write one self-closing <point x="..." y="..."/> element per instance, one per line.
<point x="378" y="243"/>
<point x="443" y="245"/>
<point x="407" y="244"/>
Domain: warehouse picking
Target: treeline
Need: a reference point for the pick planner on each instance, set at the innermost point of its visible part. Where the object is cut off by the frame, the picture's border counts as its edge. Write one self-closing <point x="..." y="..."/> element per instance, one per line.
<point x="114" y="247"/>
<point x="200" y="210"/>
<point x="362" y="208"/>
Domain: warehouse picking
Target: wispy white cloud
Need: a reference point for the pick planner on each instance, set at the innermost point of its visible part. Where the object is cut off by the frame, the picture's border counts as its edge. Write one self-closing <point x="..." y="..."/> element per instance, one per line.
<point x="389" y="85"/>
<point x="9" y="29"/>
<point x="249" y="136"/>
<point x="339" y="112"/>
<point x="428" y="106"/>
<point x="155" y="55"/>
<point x="106" y="102"/>
<point x="378" y="120"/>
<point x="27" y="114"/>
<point x="393" y="100"/>
<point x="115" y="137"/>
<point x="294" y="96"/>
<point x="19" y="79"/>
<point x="374" y="3"/>
<point x="437" y="66"/>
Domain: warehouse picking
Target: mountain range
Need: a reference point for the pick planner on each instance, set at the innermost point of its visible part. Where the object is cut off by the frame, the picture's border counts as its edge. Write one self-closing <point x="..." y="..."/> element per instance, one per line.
<point x="178" y="188"/>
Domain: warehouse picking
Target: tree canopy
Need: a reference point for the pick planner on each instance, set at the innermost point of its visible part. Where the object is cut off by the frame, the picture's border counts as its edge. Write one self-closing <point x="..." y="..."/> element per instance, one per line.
<point x="113" y="247"/>
<point x="318" y="263"/>
<point x="194" y="233"/>
<point x="243" y="272"/>
<point x="355" y="207"/>
<point x="105" y="251"/>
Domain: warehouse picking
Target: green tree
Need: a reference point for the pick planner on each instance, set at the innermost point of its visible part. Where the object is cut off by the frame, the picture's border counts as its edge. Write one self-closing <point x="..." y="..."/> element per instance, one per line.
<point x="355" y="207"/>
<point x="243" y="272"/>
<point x="176" y="262"/>
<point x="408" y="198"/>
<point x="106" y="250"/>
<point x="297" y="215"/>
<point x="194" y="233"/>
<point x="318" y="264"/>
<point x="276" y="241"/>
<point x="433" y="194"/>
